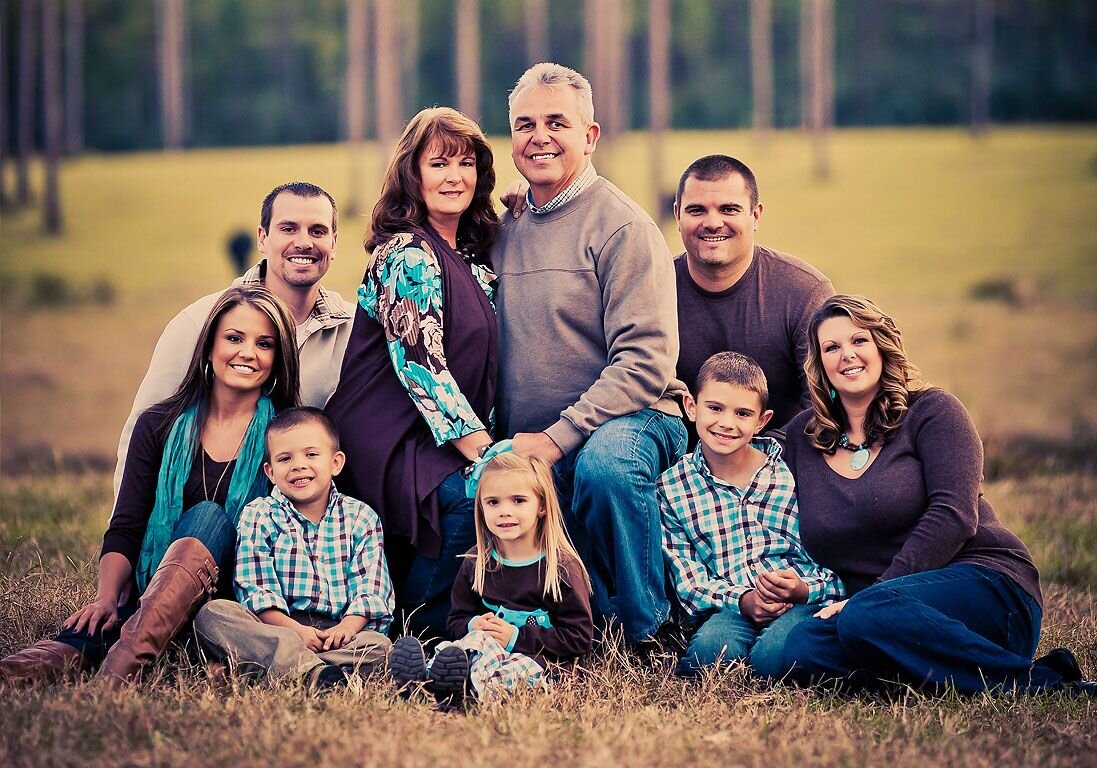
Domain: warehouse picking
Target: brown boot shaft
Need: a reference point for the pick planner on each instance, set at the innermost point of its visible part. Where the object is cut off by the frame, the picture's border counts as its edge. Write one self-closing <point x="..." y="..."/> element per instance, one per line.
<point x="45" y="660"/>
<point x="185" y="578"/>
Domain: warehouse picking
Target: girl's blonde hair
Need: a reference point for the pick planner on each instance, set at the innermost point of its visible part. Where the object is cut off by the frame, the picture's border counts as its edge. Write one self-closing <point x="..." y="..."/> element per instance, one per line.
<point x="552" y="536"/>
<point x="898" y="380"/>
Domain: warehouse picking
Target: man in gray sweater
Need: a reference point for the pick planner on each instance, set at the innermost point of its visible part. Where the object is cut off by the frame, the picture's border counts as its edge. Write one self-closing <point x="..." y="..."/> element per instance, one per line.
<point x="588" y="342"/>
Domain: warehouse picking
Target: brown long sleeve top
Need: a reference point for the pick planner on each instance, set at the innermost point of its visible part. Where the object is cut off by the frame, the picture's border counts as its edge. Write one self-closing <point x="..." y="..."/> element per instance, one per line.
<point x="919" y="506"/>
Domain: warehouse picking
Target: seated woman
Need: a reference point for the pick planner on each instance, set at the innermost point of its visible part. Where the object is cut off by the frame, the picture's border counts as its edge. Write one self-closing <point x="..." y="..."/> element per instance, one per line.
<point x="417" y="386"/>
<point x="195" y="461"/>
<point x="888" y="474"/>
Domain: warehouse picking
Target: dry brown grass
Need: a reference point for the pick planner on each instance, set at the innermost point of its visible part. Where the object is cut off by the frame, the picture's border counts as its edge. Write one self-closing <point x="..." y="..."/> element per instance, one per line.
<point x="616" y="713"/>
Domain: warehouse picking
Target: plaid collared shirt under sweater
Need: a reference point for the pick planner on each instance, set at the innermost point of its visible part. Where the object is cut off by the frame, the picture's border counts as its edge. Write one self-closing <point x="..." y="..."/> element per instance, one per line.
<point x="336" y="567"/>
<point x="717" y="537"/>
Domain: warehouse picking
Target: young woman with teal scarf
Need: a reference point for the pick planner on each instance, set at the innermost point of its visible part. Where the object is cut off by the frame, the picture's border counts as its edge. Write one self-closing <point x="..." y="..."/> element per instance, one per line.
<point x="195" y="461"/>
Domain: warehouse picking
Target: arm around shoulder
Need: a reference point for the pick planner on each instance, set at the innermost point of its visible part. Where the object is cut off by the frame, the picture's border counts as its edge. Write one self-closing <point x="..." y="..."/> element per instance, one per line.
<point x="168" y="366"/>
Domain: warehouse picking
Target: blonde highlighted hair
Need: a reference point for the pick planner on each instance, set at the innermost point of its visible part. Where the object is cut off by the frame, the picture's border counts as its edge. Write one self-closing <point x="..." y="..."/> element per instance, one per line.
<point x="898" y="379"/>
<point x="552" y="536"/>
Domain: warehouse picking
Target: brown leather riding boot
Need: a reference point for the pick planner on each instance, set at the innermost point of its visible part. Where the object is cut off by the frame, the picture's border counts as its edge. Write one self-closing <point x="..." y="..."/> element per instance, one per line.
<point x="46" y="660"/>
<point x="186" y="578"/>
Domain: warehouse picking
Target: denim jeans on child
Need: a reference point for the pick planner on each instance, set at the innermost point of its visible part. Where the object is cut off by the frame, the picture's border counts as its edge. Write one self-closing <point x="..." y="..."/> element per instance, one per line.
<point x="964" y="625"/>
<point x="205" y="521"/>
<point x="614" y="518"/>
<point x="728" y="636"/>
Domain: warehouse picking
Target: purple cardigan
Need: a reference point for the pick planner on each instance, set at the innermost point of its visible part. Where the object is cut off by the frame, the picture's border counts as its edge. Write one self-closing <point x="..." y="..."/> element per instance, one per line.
<point x="393" y="463"/>
<point x="919" y="506"/>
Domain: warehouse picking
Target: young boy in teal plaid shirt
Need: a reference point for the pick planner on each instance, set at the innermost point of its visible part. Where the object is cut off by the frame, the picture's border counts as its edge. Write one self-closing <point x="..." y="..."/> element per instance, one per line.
<point x="730" y="529"/>
<point x="311" y="578"/>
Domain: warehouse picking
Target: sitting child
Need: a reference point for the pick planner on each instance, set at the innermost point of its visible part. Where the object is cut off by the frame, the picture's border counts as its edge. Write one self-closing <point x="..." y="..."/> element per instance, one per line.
<point x="314" y="590"/>
<point x="521" y="602"/>
<point x="730" y="529"/>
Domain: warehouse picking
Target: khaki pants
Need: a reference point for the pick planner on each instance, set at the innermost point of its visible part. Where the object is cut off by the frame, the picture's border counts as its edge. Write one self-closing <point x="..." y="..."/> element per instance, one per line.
<point x="230" y="632"/>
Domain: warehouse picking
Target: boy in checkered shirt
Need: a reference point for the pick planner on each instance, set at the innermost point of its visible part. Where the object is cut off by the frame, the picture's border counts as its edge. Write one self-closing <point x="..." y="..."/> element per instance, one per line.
<point x="314" y="590"/>
<point x="730" y="530"/>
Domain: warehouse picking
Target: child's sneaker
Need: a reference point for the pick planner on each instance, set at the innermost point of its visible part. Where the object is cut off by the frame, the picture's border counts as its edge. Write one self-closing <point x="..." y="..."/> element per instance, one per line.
<point x="448" y="678"/>
<point x="324" y="678"/>
<point x="407" y="664"/>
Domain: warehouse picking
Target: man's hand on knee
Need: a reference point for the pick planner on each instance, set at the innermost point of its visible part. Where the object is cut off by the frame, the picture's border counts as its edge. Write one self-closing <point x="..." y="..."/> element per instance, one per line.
<point x="537" y="445"/>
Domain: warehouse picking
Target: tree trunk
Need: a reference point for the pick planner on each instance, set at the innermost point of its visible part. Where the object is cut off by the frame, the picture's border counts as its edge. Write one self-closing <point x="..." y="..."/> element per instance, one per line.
<point x="537" y="32"/>
<point x="52" y="114"/>
<point x="386" y="72"/>
<point x="24" y="129"/>
<point x="468" y="57"/>
<point x="659" y="98"/>
<point x="5" y="112"/>
<point x="172" y="62"/>
<point x="982" y="58"/>
<point x="74" y="76"/>
<point x="593" y="44"/>
<point x="820" y="24"/>
<point x="605" y="64"/>
<point x="805" y="64"/>
<point x="357" y="56"/>
<point x="409" y="60"/>
<point x="761" y="66"/>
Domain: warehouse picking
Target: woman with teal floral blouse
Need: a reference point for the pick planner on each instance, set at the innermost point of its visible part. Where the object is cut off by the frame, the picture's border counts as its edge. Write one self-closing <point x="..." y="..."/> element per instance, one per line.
<point x="415" y="394"/>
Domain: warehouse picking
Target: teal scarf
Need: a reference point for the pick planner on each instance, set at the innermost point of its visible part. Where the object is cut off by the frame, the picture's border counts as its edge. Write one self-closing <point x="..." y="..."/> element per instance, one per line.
<point x="248" y="482"/>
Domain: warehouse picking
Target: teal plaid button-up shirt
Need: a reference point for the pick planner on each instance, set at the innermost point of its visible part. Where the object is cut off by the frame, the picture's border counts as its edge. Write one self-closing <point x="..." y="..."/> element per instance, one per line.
<point x="337" y="567"/>
<point x="717" y="537"/>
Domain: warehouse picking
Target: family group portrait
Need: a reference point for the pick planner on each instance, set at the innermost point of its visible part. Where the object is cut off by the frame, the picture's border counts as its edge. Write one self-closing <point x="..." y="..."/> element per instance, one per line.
<point x="593" y="382"/>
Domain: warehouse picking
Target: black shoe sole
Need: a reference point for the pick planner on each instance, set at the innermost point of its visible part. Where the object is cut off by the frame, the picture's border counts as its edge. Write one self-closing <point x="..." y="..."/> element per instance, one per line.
<point x="448" y="677"/>
<point x="407" y="663"/>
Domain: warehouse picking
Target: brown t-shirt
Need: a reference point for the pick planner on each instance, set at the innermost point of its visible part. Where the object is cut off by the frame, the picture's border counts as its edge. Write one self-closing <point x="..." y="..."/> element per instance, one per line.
<point x="764" y="315"/>
<point x="919" y="506"/>
<point x="548" y="630"/>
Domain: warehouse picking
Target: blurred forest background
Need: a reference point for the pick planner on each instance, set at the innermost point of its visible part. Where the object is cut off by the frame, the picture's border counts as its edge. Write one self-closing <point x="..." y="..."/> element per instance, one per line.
<point x="279" y="71"/>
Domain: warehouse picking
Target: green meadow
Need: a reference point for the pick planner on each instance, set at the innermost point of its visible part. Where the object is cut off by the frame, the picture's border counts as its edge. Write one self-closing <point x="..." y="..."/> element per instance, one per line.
<point x="984" y="250"/>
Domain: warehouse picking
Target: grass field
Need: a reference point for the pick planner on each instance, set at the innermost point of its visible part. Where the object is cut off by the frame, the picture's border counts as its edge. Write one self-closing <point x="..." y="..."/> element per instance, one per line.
<point x="919" y="220"/>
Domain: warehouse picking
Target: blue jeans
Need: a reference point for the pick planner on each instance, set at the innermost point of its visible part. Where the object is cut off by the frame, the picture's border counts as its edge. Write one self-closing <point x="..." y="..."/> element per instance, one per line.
<point x="614" y="515"/>
<point x="425" y="593"/>
<point x="205" y="521"/>
<point x="728" y="636"/>
<point x="964" y="625"/>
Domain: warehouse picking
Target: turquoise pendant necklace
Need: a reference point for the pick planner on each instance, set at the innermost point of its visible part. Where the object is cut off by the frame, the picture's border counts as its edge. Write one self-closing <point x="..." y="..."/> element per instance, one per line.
<point x="861" y="455"/>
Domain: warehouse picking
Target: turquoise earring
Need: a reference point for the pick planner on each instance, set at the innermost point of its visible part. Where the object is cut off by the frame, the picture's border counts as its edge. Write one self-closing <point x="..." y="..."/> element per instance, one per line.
<point x="833" y="394"/>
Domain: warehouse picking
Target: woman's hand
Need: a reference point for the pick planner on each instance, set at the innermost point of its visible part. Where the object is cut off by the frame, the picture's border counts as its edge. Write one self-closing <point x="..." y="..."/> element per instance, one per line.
<point x="515" y="197"/>
<point x="831" y="610"/>
<point x="100" y="614"/>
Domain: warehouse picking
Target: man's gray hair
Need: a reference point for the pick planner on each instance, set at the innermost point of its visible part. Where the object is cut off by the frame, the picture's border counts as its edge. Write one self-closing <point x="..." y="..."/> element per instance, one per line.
<point x="550" y="75"/>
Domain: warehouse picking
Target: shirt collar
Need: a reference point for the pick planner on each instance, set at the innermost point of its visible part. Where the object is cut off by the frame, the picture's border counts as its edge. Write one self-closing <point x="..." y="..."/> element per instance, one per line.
<point x="287" y="507"/>
<point x="582" y="181"/>
<point x="767" y="445"/>
<point x="326" y="311"/>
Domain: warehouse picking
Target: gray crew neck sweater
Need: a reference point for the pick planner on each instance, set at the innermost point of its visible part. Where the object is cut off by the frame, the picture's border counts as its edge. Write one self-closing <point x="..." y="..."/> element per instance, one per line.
<point x="588" y="327"/>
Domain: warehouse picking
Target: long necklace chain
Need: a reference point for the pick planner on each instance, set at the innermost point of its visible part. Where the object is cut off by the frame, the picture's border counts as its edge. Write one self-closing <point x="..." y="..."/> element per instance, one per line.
<point x="216" y="488"/>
